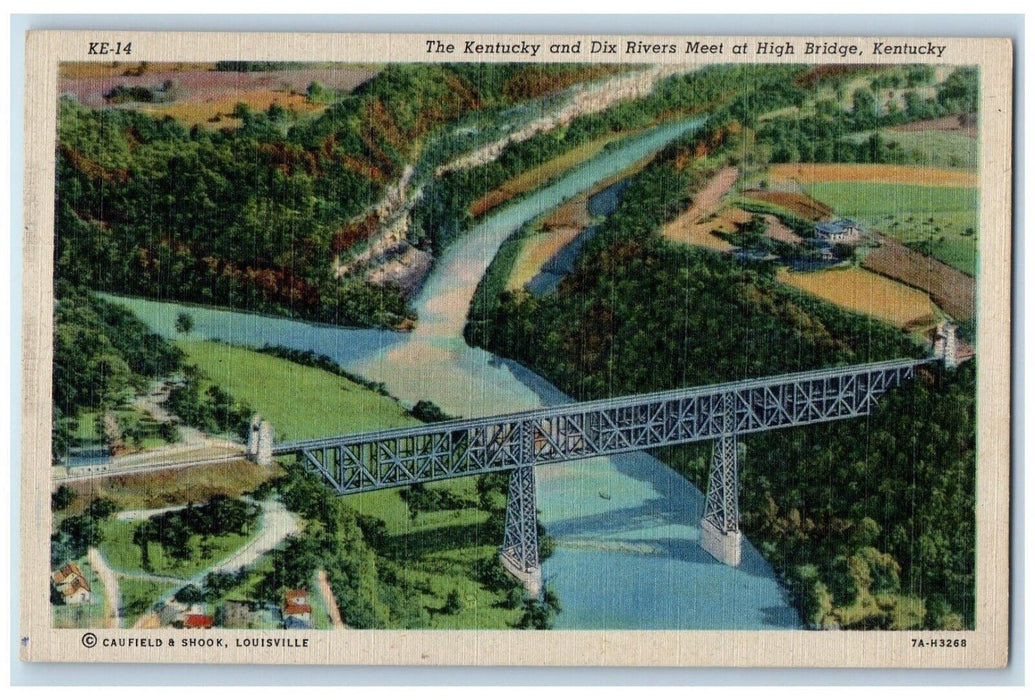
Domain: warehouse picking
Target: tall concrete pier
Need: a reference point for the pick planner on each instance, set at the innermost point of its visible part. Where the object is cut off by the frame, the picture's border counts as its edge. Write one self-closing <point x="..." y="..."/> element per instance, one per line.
<point x="260" y="441"/>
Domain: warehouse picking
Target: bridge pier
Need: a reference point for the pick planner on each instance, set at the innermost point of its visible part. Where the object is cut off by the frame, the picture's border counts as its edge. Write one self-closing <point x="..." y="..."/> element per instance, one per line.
<point x="260" y="441"/>
<point x="520" y="551"/>
<point x="720" y="527"/>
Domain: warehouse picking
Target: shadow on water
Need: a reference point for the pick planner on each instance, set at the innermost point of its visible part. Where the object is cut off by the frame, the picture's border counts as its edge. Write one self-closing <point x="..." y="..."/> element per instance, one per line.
<point x="781" y="617"/>
<point x="629" y="530"/>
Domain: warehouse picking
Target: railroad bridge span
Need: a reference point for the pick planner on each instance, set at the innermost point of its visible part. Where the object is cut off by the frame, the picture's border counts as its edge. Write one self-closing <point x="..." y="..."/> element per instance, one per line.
<point x="520" y="442"/>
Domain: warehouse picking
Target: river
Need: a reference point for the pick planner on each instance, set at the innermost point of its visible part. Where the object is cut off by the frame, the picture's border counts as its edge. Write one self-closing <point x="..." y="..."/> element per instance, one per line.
<point x="626" y="527"/>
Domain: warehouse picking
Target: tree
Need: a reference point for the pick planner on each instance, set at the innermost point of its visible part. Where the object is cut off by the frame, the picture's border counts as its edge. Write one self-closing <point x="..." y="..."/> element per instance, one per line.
<point x="62" y="498"/>
<point x="864" y="109"/>
<point x="453" y="603"/>
<point x="184" y="322"/>
<point x="101" y="508"/>
<point x="428" y="412"/>
<point x="540" y="612"/>
<point x="189" y="594"/>
<point x="959" y="92"/>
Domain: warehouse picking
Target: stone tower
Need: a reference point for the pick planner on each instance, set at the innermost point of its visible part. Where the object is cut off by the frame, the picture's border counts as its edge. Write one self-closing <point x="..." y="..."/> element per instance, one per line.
<point x="946" y="344"/>
<point x="260" y="441"/>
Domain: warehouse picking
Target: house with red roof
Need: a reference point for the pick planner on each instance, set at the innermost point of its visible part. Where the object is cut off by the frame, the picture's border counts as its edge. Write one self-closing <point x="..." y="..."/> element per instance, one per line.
<point x="296" y="605"/>
<point x="198" y="622"/>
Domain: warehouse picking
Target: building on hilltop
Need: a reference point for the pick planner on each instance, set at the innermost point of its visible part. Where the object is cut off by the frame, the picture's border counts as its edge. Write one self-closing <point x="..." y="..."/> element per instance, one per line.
<point x="839" y="231"/>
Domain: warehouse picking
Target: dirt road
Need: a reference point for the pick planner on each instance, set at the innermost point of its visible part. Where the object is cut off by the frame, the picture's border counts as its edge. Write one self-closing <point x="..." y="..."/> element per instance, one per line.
<point x="277" y="523"/>
<point x="111" y="585"/>
<point x="690" y="227"/>
<point x="328" y="600"/>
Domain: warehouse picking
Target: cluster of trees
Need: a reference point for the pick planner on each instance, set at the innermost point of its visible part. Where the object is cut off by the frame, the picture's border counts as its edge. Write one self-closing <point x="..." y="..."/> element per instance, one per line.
<point x="103" y="354"/>
<point x="821" y="137"/>
<point x="310" y="358"/>
<point x="243" y="217"/>
<point x="166" y="92"/>
<point x="213" y="410"/>
<point x="78" y="532"/>
<point x="173" y="530"/>
<point x="371" y="591"/>
<point x="422" y="499"/>
<point x="870" y="522"/>
<point x="898" y="77"/>
<point x="240" y="218"/>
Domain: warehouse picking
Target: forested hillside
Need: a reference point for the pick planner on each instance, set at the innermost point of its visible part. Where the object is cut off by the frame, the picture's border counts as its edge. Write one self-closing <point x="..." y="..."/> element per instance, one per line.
<point x="104" y="356"/>
<point x="251" y="217"/>
<point x="870" y="522"/>
<point x="445" y="209"/>
<point x="822" y="135"/>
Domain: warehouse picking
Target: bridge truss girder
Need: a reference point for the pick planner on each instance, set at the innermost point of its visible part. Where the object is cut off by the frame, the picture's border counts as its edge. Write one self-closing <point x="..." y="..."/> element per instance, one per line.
<point x="393" y="458"/>
<point x="519" y="442"/>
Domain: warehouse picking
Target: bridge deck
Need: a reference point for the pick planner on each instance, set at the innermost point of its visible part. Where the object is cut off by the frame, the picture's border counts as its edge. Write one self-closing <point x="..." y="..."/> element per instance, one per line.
<point x="635" y="400"/>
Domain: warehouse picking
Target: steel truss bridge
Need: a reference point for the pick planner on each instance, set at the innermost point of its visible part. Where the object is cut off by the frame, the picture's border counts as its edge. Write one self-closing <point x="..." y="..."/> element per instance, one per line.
<point x="519" y="442"/>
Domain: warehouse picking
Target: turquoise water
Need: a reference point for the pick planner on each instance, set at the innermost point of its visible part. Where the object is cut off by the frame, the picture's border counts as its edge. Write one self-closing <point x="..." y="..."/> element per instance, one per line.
<point x="626" y="527"/>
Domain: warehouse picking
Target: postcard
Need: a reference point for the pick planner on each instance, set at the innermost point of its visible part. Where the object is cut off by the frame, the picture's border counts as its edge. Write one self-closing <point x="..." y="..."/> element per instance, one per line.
<point x="516" y="349"/>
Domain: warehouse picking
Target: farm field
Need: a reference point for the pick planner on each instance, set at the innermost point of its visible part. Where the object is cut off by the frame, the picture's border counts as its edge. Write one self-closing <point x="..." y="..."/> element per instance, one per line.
<point x="694" y="226"/>
<point x="779" y="231"/>
<point x="867" y="293"/>
<point x="940" y="221"/>
<point x="951" y="289"/>
<point x="943" y="124"/>
<point x="810" y="173"/>
<point x="800" y="205"/>
<point x="217" y="111"/>
<point x="680" y="230"/>
<point x="204" y="96"/>
<point x="931" y="147"/>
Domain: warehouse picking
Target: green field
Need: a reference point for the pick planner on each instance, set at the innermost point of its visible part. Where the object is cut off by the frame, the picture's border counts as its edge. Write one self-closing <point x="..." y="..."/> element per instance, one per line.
<point x="86" y="427"/>
<point x="138" y="595"/>
<point x="939" y="221"/>
<point x="940" y="149"/>
<point x="301" y="402"/>
<point x="438" y="550"/>
<point x="124" y="555"/>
